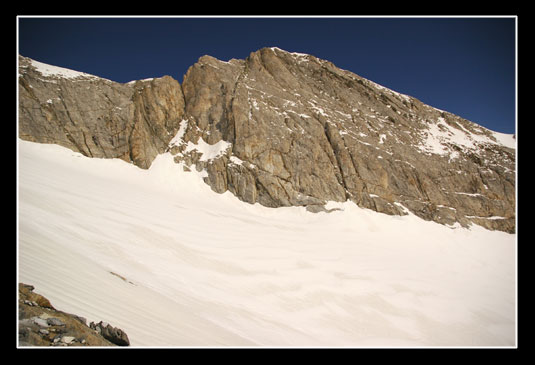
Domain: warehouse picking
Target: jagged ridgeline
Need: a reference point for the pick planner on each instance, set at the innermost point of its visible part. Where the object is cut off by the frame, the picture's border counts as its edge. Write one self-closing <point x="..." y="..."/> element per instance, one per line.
<point x="283" y="129"/>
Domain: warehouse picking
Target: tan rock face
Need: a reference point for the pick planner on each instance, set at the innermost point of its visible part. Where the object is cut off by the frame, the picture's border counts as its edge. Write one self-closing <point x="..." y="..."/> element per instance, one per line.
<point x="98" y="117"/>
<point x="285" y="129"/>
<point x="304" y="132"/>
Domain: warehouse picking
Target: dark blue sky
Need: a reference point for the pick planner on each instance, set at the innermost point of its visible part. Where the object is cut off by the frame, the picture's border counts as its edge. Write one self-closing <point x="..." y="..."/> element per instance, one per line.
<point x="462" y="65"/>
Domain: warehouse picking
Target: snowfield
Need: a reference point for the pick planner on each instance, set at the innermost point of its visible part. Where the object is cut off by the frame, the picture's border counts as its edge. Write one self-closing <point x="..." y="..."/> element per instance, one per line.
<point x="158" y="254"/>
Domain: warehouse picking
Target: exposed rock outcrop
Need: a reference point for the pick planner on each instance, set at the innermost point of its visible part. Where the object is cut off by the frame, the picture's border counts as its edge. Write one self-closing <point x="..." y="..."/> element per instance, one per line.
<point x="300" y="131"/>
<point x="113" y="334"/>
<point x="40" y="324"/>
<point x="95" y="116"/>
<point x="285" y="129"/>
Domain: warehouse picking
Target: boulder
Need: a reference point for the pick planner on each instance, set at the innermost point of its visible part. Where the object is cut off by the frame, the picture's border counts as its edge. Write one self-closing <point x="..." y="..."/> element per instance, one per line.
<point x="113" y="334"/>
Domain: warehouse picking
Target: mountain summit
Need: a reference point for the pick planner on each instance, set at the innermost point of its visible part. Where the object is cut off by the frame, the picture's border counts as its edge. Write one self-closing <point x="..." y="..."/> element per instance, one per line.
<point x="283" y="129"/>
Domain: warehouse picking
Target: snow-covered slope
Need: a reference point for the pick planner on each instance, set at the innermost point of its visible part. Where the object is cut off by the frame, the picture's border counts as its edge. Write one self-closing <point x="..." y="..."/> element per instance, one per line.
<point x="60" y="72"/>
<point x="157" y="253"/>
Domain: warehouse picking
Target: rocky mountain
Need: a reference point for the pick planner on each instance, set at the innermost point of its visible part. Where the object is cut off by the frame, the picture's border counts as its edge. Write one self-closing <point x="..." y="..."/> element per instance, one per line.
<point x="283" y="129"/>
<point x="95" y="116"/>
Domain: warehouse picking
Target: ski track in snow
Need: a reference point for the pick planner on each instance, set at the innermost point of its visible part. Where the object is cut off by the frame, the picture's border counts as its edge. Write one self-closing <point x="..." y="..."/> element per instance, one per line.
<point x="205" y="269"/>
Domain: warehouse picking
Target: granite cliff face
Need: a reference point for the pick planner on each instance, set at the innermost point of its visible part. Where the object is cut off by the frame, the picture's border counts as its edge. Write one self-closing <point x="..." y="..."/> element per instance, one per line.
<point x="285" y="129"/>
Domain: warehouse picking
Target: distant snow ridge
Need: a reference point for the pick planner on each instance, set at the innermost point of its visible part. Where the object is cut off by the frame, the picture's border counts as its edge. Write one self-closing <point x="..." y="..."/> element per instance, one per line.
<point x="54" y="71"/>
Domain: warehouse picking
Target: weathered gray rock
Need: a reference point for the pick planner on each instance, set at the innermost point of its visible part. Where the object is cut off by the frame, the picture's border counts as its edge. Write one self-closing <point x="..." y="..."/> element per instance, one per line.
<point x="40" y="322"/>
<point x="284" y="129"/>
<point x="67" y="339"/>
<point x="113" y="334"/>
<point x="55" y="322"/>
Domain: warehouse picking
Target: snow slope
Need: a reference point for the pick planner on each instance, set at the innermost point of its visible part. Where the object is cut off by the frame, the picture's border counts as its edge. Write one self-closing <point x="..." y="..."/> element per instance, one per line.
<point x="55" y="71"/>
<point x="158" y="254"/>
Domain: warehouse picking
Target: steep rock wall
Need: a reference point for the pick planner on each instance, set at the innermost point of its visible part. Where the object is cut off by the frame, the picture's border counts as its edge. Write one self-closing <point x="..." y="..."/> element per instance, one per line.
<point x="284" y="129"/>
<point x="98" y="117"/>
